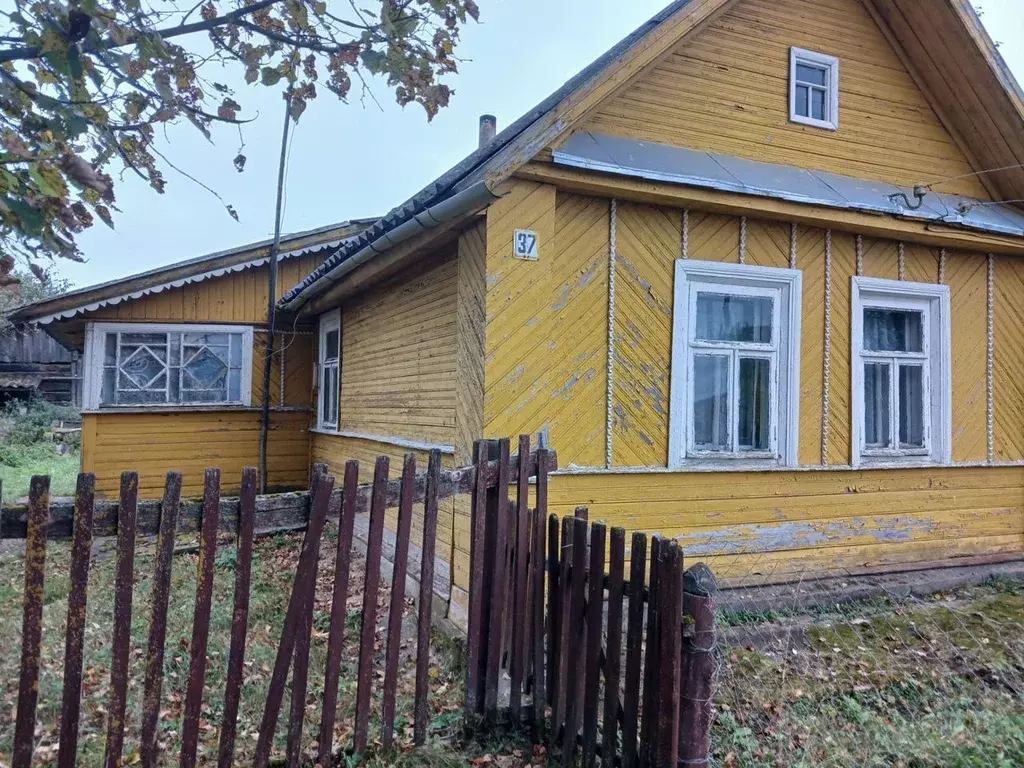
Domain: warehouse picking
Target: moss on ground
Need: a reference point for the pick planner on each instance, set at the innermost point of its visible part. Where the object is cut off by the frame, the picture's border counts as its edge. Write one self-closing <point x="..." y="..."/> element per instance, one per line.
<point x="915" y="684"/>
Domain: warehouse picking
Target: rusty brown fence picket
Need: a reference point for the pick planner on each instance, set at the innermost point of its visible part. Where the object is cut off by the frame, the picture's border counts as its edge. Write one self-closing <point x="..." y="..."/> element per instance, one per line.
<point x="243" y="519"/>
<point x="619" y="668"/>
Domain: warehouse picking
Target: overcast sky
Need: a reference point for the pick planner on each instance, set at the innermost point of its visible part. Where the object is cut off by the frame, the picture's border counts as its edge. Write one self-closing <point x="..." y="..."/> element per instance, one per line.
<point x="359" y="160"/>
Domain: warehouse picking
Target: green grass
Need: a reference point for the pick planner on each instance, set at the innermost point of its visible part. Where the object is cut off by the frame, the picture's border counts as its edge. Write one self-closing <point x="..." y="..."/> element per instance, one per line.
<point x="918" y="684"/>
<point x="19" y="463"/>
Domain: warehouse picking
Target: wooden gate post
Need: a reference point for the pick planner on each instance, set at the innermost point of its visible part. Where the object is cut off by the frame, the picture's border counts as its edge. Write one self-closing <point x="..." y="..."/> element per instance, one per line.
<point x="699" y="648"/>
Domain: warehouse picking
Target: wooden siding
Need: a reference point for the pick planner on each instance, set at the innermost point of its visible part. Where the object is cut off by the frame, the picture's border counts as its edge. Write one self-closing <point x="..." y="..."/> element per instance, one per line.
<point x="547" y="322"/>
<point x="647" y="239"/>
<point x="783" y="521"/>
<point x="154" y="444"/>
<point x="726" y="90"/>
<point x="758" y="527"/>
<point x="336" y="450"/>
<point x="399" y="356"/>
<point x="1009" y="357"/>
<point x="967" y="278"/>
<point x="237" y="297"/>
<point x="471" y="328"/>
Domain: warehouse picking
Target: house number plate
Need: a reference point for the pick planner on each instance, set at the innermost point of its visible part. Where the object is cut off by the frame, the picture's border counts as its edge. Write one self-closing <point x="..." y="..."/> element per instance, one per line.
<point x="526" y="245"/>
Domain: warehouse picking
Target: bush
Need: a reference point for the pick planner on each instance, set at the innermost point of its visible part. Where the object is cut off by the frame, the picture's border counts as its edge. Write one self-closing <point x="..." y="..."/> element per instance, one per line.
<point x="28" y="423"/>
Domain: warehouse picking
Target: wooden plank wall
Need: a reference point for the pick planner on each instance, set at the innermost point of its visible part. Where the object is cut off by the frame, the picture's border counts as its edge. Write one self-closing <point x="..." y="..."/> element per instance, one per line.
<point x="237" y="297"/>
<point x="156" y="443"/>
<point x="335" y="451"/>
<point x="399" y="356"/>
<point x="547" y="321"/>
<point x="823" y="517"/>
<point x="757" y="527"/>
<point x="726" y="90"/>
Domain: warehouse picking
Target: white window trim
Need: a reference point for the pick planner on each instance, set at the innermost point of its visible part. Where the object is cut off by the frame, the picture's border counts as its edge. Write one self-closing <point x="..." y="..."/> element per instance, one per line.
<point x="871" y="291"/>
<point x="92" y="381"/>
<point x="786" y="401"/>
<point x="813" y="58"/>
<point x="330" y="321"/>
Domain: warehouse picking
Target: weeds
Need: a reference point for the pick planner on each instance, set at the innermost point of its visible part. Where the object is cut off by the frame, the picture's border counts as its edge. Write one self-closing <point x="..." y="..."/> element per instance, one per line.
<point x="25" y="449"/>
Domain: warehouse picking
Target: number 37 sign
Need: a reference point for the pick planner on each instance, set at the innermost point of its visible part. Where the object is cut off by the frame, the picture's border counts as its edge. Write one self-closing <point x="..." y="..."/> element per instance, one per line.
<point x="526" y="245"/>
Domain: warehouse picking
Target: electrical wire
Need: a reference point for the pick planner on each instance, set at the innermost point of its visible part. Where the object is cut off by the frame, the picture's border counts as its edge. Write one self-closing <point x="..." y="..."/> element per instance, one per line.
<point x="972" y="175"/>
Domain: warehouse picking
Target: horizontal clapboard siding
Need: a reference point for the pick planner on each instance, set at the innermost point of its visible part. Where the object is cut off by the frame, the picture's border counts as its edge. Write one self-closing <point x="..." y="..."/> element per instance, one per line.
<point x="399" y="356"/>
<point x="154" y="444"/>
<point x="756" y="527"/>
<point x="726" y="90"/>
<point x="237" y="297"/>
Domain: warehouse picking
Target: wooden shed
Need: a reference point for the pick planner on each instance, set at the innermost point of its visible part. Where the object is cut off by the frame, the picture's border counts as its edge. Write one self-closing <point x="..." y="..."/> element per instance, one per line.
<point x="34" y="364"/>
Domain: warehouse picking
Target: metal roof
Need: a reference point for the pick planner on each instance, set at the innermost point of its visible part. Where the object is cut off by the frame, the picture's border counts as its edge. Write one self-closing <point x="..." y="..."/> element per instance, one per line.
<point x="695" y="168"/>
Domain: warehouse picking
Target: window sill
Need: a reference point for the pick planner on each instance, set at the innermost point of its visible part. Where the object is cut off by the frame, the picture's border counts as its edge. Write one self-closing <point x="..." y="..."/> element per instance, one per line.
<point x="194" y="409"/>
<point x="824" y="125"/>
<point x="726" y="464"/>
<point x="399" y="442"/>
<point x="898" y="462"/>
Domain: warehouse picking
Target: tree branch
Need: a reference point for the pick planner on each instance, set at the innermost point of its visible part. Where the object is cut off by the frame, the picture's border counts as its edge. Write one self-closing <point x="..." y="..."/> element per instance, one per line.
<point x="35" y="51"/>
<point x="312" y="45"/>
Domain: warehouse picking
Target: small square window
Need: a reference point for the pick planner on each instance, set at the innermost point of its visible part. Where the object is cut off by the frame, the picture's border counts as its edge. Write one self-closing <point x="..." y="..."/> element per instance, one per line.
<point x="814" y="89"/>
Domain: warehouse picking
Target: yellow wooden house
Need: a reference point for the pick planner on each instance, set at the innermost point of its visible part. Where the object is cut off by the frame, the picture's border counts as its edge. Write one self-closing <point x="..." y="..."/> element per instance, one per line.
<point x="173" y="368"/>
<point x="757" y="275"/>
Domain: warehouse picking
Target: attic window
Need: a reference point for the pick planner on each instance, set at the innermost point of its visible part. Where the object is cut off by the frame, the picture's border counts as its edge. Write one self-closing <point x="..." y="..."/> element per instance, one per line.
<point x="814" y="89"/>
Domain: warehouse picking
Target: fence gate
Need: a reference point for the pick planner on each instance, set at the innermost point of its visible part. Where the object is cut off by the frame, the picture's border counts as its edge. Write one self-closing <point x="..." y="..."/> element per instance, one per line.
<point x="618" y="670"/>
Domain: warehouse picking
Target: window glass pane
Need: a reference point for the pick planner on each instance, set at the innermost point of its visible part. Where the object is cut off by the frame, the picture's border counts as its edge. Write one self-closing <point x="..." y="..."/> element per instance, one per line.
<point x="893" y="330"/>
<point x="329" y="395"/>
<point x="911" y="406"/>
<point x="107" y="396"/>
<point x="752" y="429"/>
<point x="803" y="100"/>
<point x="335" y="393"/>
<point x="331" y="345"/>
<point x="141" y="366"/>
<point x="235" y="385"/>
<point x="877" y="405"/>
<point x="110" y="349"/>
<point x="204" y="369"/>
<point x="806" y="73"/>
<point x="236" y="350"/>
<point x="135" y="397"/>
<point x="817" y="104"/>
<point x="711" y="403"/>
<point x="209" y="339"/>
<point x="734" y="318"/>
<point x="136" y="339"/>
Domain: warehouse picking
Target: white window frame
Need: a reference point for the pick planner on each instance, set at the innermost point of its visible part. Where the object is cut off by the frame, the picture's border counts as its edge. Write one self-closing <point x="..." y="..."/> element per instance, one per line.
<point x="818" y="61"/>
<point x="933" y="301"/>
<point x="92" y="382"/>
<point x="331" y="321"/>
<point x="785" y="286"/>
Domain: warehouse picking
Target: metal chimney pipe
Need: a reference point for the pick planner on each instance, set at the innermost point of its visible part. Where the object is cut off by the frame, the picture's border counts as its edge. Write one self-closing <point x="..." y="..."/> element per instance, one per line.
<point x="488" y="129"/>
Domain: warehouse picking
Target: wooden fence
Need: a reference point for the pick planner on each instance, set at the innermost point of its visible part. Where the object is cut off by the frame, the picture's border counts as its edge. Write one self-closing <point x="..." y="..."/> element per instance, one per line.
<point x="87" y="518"/>
<point x="596" y="665"/>
<point x="623" y="684"/>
